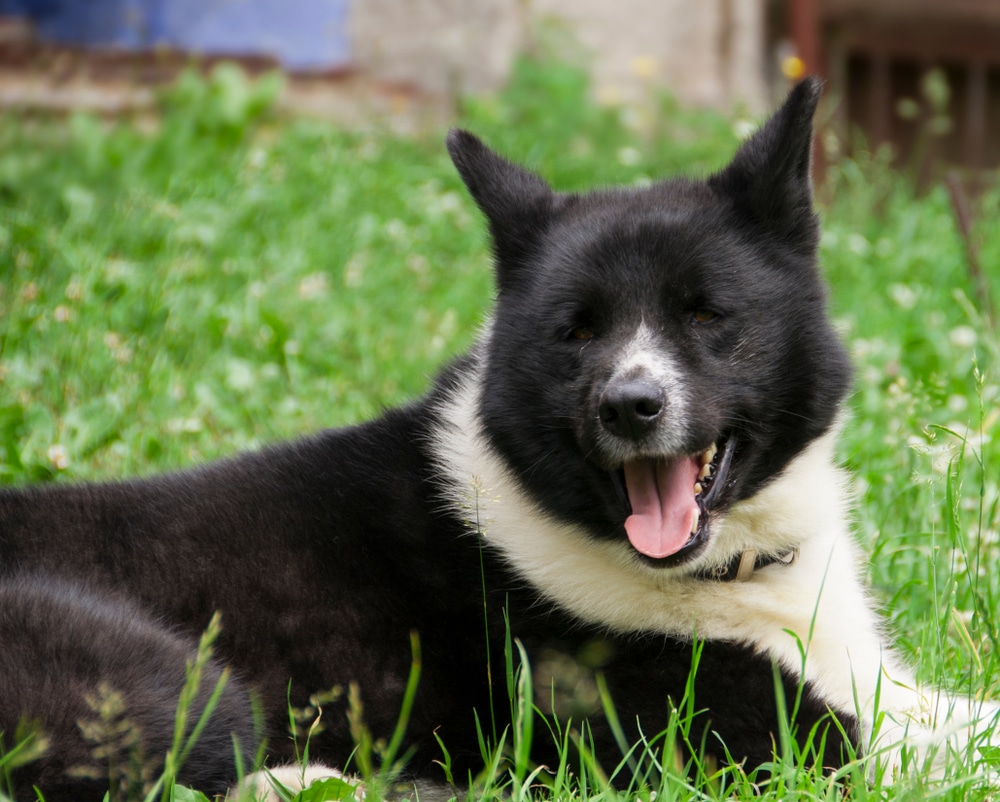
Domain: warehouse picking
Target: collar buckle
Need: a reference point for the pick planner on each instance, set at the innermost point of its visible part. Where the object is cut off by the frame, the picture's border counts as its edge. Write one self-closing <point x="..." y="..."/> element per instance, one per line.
<point x="742" y="566"/>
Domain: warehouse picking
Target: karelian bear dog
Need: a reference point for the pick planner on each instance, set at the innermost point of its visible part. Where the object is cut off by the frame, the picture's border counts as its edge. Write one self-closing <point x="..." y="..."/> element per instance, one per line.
<point x="634" y="464"/>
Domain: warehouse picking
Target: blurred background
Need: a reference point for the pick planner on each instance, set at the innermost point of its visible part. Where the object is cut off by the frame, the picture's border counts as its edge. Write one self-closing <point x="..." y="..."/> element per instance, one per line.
<point x="409" y="61"/>
<point x="228" y="222"/>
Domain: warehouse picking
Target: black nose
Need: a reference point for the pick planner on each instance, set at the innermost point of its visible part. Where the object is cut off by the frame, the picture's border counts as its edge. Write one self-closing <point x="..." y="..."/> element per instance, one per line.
<point x="631" y="408"/>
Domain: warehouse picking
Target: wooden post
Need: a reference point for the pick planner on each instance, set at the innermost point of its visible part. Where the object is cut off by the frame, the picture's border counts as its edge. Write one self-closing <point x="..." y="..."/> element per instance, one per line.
<point x="805" y="29"/>
<point x="976" y="100"/>
<point x="879" y="99"/>
<point x="804" y="24"/>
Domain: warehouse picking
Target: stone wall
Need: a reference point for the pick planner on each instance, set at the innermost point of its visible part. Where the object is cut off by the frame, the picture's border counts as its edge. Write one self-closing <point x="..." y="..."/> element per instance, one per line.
<point x="705" y="52"/>
<point x="439" y="46"/>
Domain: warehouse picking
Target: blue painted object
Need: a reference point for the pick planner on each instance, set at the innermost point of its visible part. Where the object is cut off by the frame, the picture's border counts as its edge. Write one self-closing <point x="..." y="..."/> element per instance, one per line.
<point x="301" y="34"/>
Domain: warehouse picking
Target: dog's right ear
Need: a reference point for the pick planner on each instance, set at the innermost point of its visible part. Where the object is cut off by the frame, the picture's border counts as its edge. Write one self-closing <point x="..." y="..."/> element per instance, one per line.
<point x="517" y="203"/>
<point x="770" y="180"/>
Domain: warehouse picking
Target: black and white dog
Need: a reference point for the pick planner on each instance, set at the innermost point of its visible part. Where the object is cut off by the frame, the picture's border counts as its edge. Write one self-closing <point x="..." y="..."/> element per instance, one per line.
<point x="638" y="450"/>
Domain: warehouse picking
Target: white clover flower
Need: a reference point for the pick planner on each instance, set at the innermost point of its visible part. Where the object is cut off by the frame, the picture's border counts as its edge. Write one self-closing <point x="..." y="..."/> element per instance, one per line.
<point x="58" y="457"/>
<point x="963" y="336"/>
<point x="629" y="156"/>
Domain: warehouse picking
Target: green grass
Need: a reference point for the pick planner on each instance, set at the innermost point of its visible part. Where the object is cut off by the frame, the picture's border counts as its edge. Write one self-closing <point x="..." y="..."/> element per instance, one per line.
<point x="229" y="279"/>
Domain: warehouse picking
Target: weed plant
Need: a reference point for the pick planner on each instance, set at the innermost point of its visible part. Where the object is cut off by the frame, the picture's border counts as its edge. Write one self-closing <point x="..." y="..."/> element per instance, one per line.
<point x="224" y="278"/>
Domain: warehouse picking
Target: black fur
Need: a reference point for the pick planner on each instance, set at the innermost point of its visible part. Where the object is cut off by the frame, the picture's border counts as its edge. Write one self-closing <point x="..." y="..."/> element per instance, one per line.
<point x="67" y="654"/>
<point x="324" y="554"/>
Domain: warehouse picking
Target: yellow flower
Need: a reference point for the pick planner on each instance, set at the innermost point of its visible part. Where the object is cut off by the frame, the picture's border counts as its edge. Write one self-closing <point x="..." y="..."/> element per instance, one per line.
<point x="644" y="67"/>
<point x="793" y="67"/>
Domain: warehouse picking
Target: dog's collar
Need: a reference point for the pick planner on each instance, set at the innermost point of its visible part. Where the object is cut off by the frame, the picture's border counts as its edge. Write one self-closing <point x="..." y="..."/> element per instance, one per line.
<point x="741" y="567"/>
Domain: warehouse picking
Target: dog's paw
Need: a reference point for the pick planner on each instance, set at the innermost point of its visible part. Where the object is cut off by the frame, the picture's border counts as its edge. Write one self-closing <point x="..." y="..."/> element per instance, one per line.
<point x="941" y="730"/>
<point x="284" y="782"/>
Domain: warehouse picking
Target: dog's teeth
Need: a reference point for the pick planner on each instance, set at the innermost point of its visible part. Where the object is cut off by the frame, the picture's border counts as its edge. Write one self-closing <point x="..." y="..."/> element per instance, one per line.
<point x="694" y="524"/>
<point x="698" y="488"/>
<point x="706" y="471"/>
<point x="709" y="454"/>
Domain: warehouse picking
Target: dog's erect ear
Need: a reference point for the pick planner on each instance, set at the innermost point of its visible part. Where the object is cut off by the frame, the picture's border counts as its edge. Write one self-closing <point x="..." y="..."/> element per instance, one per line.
<point x="770" y="178"/>
<point x="516" y="202"/>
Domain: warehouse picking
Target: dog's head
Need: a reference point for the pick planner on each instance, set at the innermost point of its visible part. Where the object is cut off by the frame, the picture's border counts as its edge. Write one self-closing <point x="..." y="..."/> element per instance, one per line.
<point x="658" y="354"/>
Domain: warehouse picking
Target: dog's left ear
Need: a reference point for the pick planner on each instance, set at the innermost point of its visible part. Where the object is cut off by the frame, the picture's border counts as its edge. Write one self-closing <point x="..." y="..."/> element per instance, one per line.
<point x="770" y="178"/>
<point x="517" y="203"/>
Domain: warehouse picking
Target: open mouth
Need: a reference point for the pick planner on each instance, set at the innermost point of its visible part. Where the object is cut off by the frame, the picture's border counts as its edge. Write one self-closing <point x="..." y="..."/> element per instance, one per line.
<point x="669" y="501"/>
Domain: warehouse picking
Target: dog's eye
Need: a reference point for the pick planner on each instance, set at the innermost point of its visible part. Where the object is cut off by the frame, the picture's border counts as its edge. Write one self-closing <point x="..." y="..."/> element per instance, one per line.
<point x="583" y="333"/>
<point x="703" y="316"/>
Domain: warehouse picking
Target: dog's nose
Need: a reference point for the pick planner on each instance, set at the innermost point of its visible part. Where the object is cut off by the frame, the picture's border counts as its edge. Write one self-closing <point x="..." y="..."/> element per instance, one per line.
<point x="632" y="408"/>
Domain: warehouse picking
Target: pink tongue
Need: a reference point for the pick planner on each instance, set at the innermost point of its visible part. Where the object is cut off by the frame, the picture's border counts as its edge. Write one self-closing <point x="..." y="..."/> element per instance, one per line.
<point x="661" y="493"/>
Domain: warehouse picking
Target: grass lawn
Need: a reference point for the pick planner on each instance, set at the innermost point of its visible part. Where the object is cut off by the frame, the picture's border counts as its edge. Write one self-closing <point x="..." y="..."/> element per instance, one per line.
<point x="229" y="279"/>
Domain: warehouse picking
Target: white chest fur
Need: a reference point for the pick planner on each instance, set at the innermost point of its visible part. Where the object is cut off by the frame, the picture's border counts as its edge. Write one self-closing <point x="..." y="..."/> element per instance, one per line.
<point x="814" y="617"/>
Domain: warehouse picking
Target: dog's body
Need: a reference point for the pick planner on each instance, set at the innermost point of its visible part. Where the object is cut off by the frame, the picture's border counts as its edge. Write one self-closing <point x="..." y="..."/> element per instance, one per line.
<point x="93" y="681"/>
<point x="643" y="341"/>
